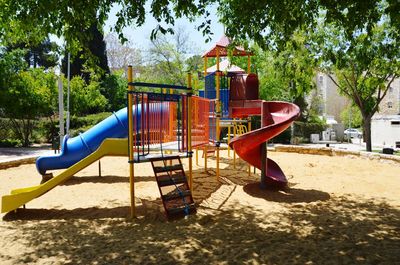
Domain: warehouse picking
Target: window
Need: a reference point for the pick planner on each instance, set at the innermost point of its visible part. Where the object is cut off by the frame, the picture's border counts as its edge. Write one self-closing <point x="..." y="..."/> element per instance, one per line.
<point x="391" y="90"/>
<point x="390" y="105"/>
<point x="395" y="122"/>
<point x="321" y="79"/>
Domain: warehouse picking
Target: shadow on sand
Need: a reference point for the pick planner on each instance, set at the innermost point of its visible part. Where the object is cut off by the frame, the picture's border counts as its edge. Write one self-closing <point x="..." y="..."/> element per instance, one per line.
<point x="341" y="230"/>
<point x="289" y="195"/>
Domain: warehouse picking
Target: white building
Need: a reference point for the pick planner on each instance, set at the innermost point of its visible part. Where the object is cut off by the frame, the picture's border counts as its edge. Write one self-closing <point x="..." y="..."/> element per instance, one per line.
<point x="385" y="124"/>
<point x="385" y="130"/>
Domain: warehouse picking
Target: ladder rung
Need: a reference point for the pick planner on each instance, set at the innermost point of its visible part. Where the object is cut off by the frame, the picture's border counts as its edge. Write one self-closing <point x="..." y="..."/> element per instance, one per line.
<point x="168" y="168"/>
<point x="171" y="180"/>
<point x="176" y="195"/>
<point x="181" y="210"/>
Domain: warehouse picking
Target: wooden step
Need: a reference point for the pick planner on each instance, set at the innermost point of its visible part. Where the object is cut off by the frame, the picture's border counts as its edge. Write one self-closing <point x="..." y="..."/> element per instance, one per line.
<point x="168" y="168"/>
<point x="179" y="211"/>
<point x="167" y="180"/>
<point x="175" y="195"/>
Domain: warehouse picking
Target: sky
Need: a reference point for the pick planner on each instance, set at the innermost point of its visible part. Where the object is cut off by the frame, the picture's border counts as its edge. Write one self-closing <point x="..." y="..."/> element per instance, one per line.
<point x="141" y="36"/>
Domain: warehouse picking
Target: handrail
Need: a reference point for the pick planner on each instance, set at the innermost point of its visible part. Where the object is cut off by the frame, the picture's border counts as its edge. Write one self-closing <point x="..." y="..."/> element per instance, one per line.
<point x="153" y="85"/>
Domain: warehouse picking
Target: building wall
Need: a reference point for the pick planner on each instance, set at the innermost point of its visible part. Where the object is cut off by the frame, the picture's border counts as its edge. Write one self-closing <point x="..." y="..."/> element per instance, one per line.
<point x="385" y="130"/>
<point x="333" y="103"/>
<point x="390" y="104"/>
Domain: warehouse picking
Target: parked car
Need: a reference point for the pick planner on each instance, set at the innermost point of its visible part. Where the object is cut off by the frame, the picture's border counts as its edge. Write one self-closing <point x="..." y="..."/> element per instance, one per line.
<point x="352" y="133"/>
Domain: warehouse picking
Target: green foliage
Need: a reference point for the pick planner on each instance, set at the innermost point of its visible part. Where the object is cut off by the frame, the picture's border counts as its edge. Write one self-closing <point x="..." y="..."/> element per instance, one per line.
<point x="364" y="65"/>
<point x="351" y="117"/>
<point x="10" y="143"/>
<point x="82" y="124"/>
<point x="170" y="61"/>
<point x="114" y="88"/>
<point x="85" y="98"/>
<point x="282" y="138"/>
<point x="270" y="22"/>
<point x="26" y="96"/>
<point x="5" y="129"/>
<point x="305" y="129"/>
<point x="286" y="74"/>
<point x="90" y="62"/>
<point x="43" y="54"/>
<point x="10" y="64"/>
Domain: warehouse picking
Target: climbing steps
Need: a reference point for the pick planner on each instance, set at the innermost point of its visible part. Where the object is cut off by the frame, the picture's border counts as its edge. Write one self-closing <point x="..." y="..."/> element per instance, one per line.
<point x="172" y="183"/>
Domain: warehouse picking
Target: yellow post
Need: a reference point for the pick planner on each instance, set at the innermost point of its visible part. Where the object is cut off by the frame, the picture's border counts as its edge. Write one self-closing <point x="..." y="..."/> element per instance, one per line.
<point x="248" y="64"/>
<point x="229" y="140"/>
<point x="189" y="124"/>
<point x="197" y="156"/>
<point x="130" y="137"/>
<point x="218" y="109"/>
<point x="205" y="157"/>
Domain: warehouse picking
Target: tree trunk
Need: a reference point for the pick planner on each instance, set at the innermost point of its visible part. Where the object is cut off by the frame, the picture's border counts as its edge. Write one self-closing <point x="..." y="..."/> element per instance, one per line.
<point x="367" y="132"/>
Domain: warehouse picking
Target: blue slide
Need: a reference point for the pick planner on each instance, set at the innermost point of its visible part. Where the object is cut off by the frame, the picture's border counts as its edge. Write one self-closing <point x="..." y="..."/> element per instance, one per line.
<point x="76" y="148"/>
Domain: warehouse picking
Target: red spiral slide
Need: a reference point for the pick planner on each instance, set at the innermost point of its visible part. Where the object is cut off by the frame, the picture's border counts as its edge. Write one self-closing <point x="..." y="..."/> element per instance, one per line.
<point x="276" y="116"/>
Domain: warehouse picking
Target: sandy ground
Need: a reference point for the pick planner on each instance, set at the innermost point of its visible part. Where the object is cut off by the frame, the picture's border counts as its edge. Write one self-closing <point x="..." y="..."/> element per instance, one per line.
<point x="338" y="210"/>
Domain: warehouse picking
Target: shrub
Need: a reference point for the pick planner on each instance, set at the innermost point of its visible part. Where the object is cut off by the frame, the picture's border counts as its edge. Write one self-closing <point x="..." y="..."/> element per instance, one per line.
<point x="114" y="87"/>
<point x="305" y="129"/>
<point x="86" y="99"/>
<point x="10" y="143"/>
<point x="82" y="124"/>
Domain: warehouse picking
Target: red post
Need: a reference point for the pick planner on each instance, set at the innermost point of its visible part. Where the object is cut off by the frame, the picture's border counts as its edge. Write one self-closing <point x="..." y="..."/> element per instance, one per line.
<point x="263" y="146"/>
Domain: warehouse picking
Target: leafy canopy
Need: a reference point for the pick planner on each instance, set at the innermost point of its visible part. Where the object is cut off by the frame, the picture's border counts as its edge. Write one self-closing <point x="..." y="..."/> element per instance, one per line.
<point x="265" y="21"/>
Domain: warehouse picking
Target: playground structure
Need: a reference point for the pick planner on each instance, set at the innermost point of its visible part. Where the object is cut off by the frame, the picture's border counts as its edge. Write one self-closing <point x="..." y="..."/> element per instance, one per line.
<point x="167" y="124"/>
<point x="236" y="94"/>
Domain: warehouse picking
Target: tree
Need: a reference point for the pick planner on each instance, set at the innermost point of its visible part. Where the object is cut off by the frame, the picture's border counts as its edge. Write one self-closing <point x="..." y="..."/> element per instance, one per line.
<point x="351" y="116"/>
<point x="44" y="54"/>
<point x="25" y="94"/>
<point x="86" y="98"/>
<point x="266" y="21"/>
<point x="287" y="74"/>
<point x="85" y="66"/>
<point x="113" y="88"/>
<point x="365" y="66"/>
<point x="273" y="22"/>
<point x="121" y="55"/>
<point x="170" y="59"/>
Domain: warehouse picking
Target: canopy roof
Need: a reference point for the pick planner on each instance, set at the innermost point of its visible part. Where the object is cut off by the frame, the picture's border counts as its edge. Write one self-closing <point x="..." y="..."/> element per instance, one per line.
<point x="225" y="66"/>
<point x="222" y="46"/>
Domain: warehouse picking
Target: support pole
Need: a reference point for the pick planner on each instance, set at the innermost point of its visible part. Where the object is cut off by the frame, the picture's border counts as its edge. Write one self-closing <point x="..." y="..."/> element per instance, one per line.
<point x="68" y="90"/>
<point x="234" y="153"/>
<point x="218" y="110"/>
<point x="131" y="143"/>
<point x="249" y="130"/>
<point x="189" y="130"/>
<point x="229" y="139"/>
<point x="61" y="109"/>
<point x="205" y="157"/>
<point x="263" y="146"/>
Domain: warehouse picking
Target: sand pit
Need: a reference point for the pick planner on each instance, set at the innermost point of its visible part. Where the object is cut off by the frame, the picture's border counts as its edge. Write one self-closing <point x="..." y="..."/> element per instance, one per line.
<point x="338" y="210"/>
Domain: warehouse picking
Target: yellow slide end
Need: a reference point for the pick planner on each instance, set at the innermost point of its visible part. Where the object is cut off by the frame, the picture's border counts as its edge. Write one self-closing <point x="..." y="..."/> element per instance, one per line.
<point x="19" y="197"/>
